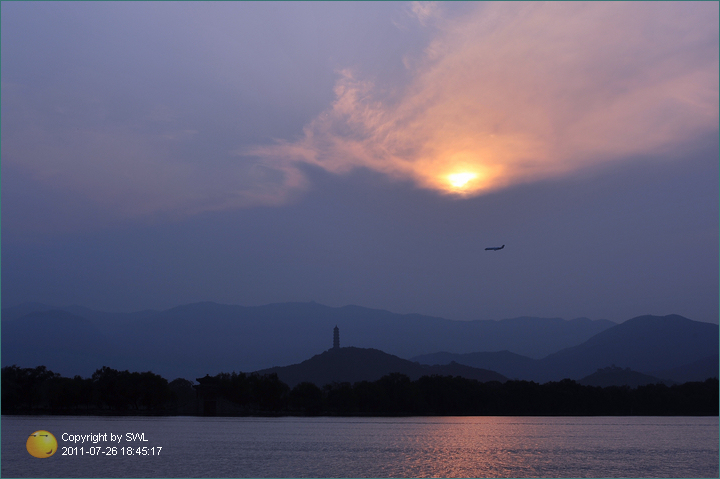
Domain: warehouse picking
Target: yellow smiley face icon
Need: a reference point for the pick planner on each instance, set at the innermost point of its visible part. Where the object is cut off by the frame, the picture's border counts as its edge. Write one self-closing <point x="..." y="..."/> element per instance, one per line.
<point x="41" y="444"/>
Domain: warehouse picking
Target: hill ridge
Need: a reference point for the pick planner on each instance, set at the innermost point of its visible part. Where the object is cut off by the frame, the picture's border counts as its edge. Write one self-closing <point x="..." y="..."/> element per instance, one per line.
<point x="646" y="344"/>
<point x="352" y="364"/>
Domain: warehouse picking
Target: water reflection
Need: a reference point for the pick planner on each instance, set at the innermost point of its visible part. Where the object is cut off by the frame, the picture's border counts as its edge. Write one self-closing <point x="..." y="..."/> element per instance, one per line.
<point x="383" y="447"/>
<point x="540" y="447"/>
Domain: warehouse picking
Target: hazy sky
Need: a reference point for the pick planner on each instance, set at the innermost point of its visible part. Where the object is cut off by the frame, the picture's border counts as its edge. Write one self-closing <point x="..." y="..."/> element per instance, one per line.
<point x="158" y="154"/>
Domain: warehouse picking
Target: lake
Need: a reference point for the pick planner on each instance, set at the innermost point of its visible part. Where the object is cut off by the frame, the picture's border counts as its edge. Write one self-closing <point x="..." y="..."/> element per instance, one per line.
<point x="366" y="447"/>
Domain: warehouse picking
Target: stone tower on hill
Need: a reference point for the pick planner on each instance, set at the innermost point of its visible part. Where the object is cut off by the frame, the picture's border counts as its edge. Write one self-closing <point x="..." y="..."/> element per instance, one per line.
<point x="336" y="338"/>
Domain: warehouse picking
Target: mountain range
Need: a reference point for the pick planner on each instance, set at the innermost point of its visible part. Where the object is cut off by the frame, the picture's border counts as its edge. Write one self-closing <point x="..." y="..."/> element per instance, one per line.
<point x="200" y="338"/>
<point x="193" y="340"/>
<point x="668" y="347"/>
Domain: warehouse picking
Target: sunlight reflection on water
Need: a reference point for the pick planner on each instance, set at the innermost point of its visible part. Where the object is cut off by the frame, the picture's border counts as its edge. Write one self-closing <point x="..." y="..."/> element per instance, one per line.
<point x="379" y="447"/>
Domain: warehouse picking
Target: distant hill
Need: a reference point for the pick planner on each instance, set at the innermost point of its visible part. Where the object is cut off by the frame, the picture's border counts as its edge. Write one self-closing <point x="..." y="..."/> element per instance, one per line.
<point x="15" y="312"/>
<point x="206" y="338"/>
<point x="670" y="347"/>
<point x="615" y="376"/>
<point x="56" y="338"/>
<point x="699" y="370"/>
<point x="359" y="364"/>
<point x="645" y="344"/>
<point x="512" y="365"/>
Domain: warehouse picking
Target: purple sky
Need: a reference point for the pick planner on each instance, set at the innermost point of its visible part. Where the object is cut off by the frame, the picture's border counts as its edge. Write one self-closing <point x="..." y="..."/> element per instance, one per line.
<point x="157" y="154"/>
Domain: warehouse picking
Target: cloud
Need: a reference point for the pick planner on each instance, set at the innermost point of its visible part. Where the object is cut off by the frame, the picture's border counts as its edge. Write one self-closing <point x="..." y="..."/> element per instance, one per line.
<point x="155" y="165"/>
<point x="424" y="11"/>
<point x="503" y="93"/>
<point x="517" y="92"/>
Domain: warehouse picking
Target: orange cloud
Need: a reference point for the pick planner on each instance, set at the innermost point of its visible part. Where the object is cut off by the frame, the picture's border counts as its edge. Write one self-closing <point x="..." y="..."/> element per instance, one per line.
<point x="504" y="93"/>
<point x="516" y="92"/>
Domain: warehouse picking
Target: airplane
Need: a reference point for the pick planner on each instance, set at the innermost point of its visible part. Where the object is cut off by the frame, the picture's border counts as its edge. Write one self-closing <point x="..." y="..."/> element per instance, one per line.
<point x="495" y="248"/>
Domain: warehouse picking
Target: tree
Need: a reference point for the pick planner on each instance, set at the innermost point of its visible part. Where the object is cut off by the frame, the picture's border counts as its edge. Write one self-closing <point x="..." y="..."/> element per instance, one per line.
<point x="22" y="387"/>
<point x="306" y="397"/>
<point x="182" y="395"/>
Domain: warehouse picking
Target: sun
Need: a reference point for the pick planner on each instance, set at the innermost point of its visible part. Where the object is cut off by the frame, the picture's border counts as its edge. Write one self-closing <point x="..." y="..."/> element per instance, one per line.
<point x="460" y="180"/>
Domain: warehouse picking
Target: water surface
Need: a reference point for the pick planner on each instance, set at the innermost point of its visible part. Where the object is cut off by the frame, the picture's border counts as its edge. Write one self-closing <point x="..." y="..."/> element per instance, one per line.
<point x="373" y="447"/>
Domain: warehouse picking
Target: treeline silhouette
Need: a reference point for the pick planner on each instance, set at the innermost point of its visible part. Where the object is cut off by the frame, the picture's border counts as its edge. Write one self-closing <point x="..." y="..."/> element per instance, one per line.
<point x="108" y="391"/>
<point x="395" y="394"/>
<point x="39" y="390"/>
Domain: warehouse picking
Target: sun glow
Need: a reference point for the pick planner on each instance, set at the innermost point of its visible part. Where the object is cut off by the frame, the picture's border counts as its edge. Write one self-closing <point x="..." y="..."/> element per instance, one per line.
<point x="460" y="180"/>
<point x="456" y="128"/>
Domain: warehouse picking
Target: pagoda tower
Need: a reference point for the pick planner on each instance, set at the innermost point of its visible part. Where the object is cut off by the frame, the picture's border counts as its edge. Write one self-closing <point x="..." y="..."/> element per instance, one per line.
<point x="336" y="338"/>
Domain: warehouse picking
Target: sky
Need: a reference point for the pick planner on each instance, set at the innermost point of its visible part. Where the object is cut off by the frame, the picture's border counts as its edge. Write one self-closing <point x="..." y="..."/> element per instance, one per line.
<point x="156" y="154"/>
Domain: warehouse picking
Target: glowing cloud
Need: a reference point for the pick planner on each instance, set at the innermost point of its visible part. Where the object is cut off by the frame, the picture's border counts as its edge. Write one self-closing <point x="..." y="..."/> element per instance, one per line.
<point x="459" y="180"/>
<point x="503" y="93"/>
<point x="516" y="92"/>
